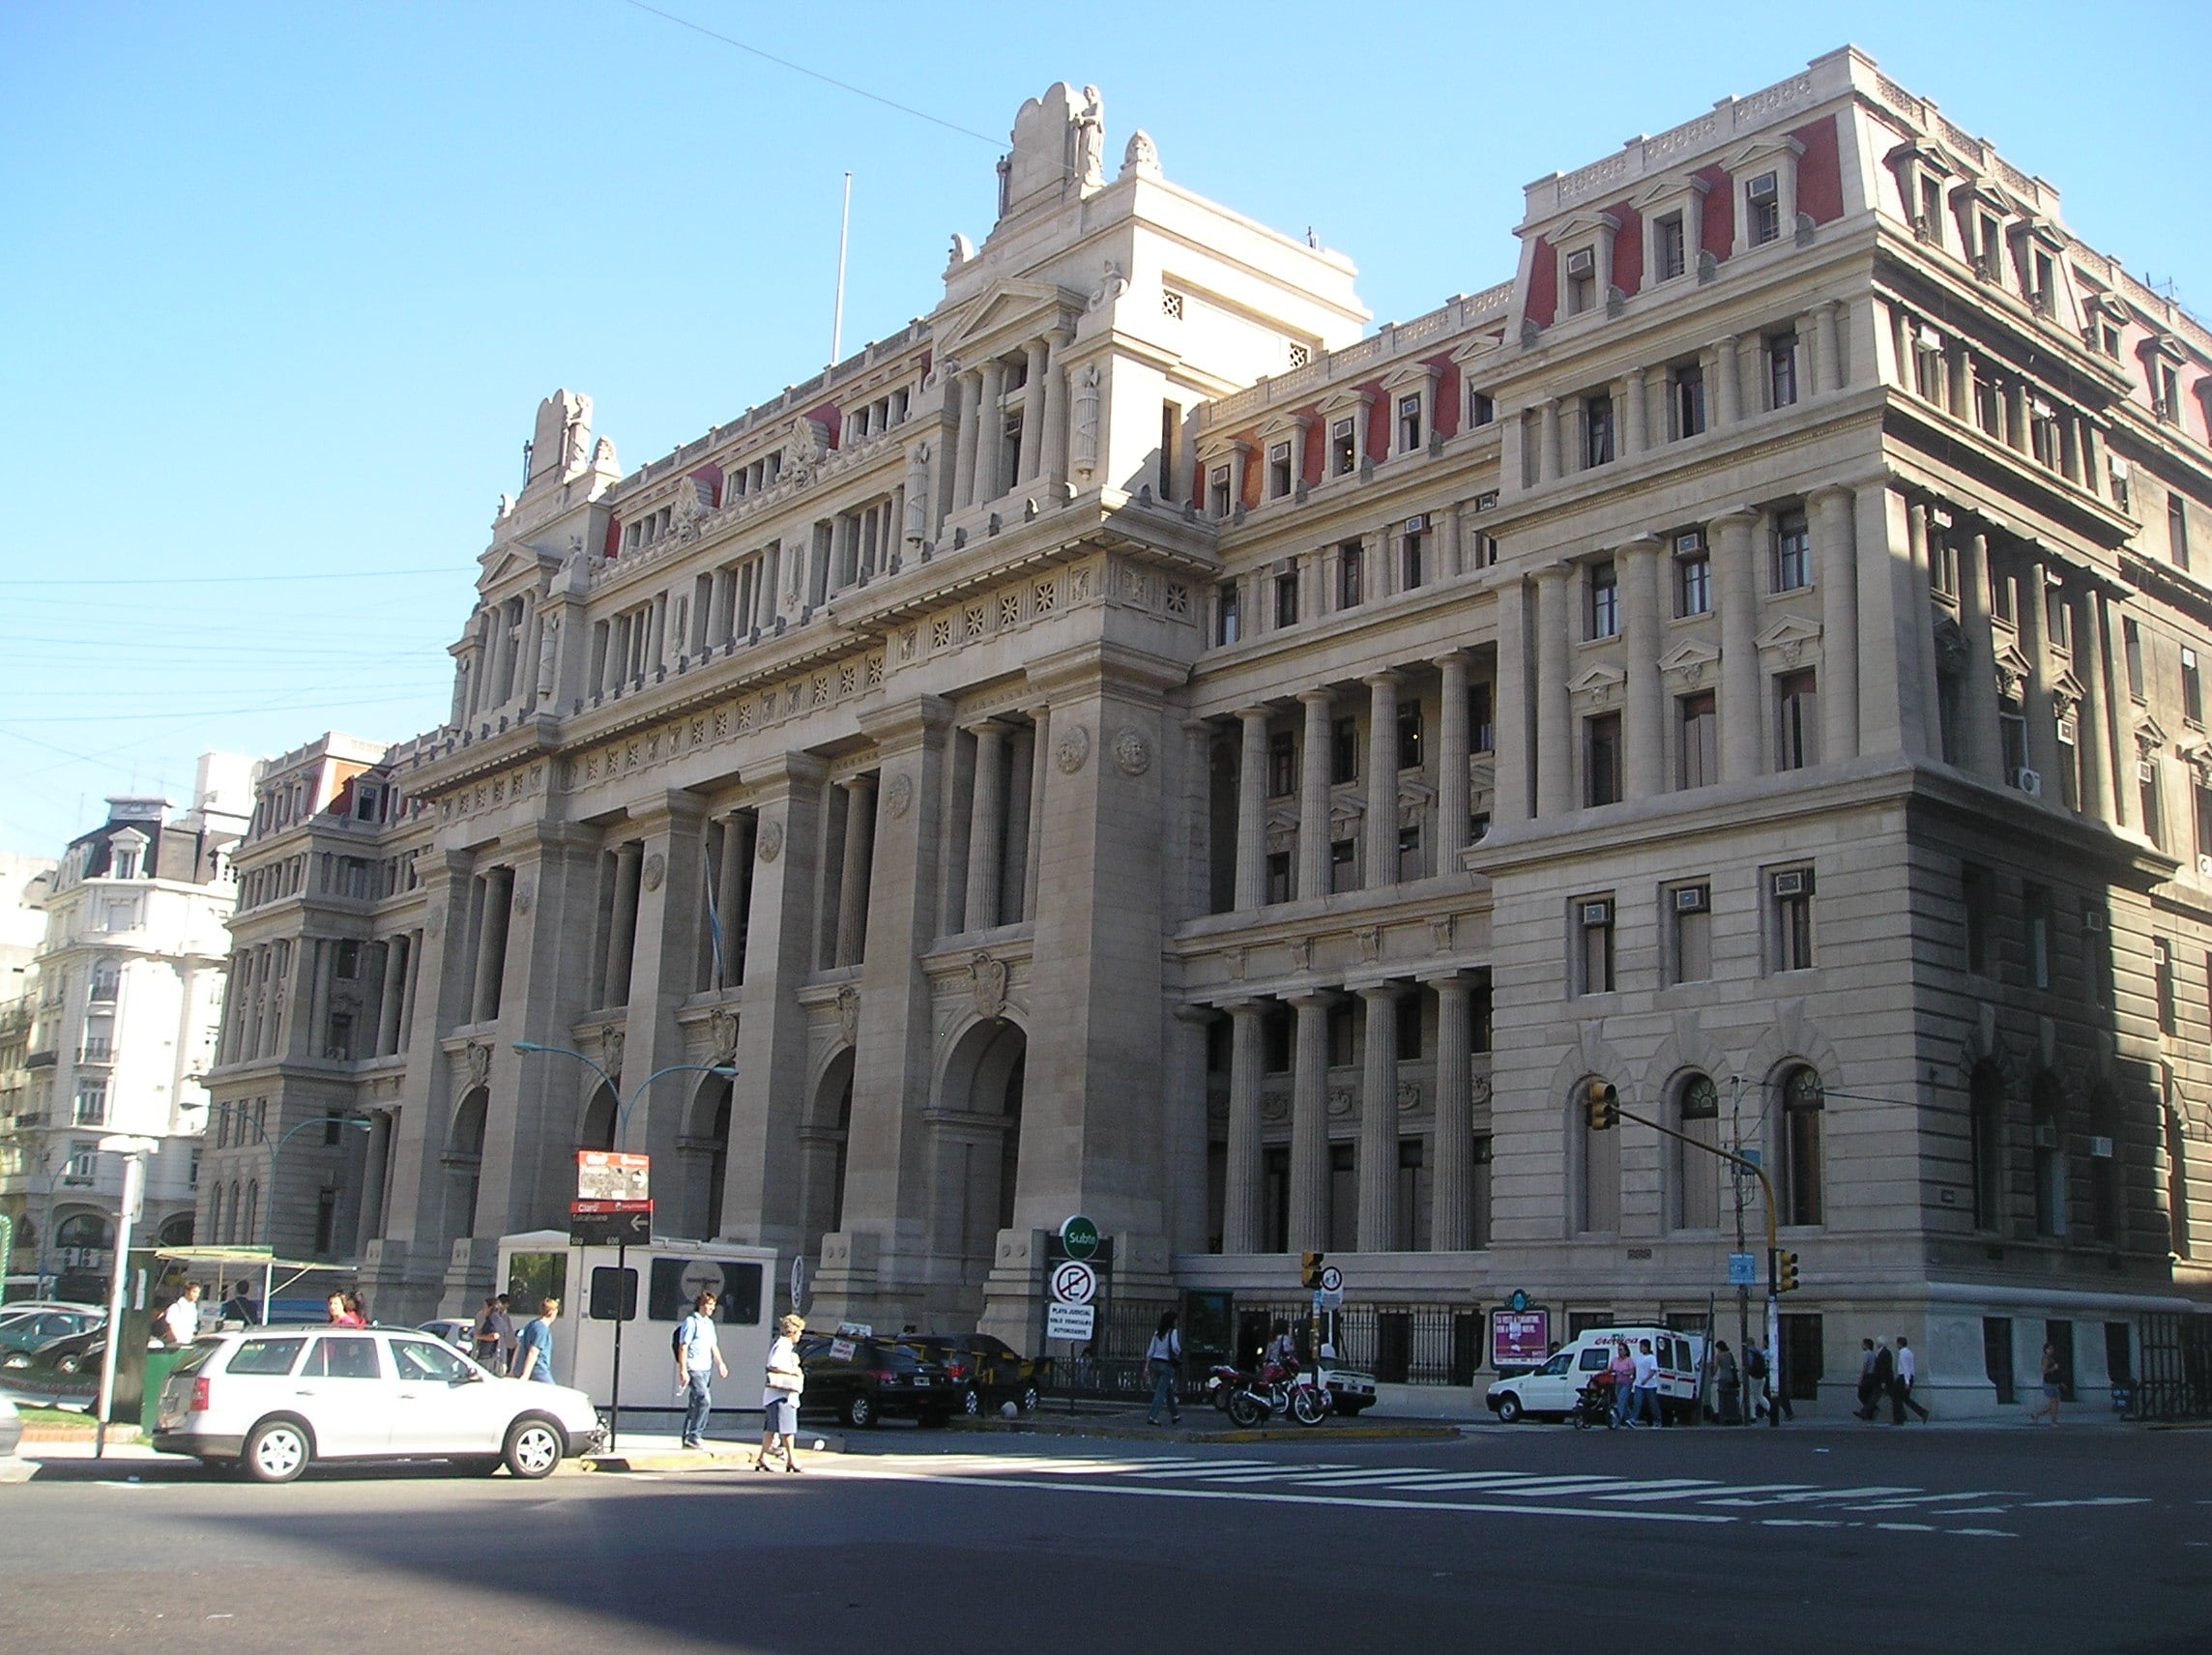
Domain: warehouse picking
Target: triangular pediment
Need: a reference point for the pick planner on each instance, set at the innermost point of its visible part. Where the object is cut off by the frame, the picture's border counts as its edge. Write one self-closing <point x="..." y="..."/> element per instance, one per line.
<point x="1790" y="629"/>
<point x="1596" y="684"/>
<point x="1582" y="223"/>
<point x="1760" y="149"/>
<point x="2150" y="735"/>
<point x="1004" y="313"/>
<point x="1691" y="655"/>
<point x="1667" y="190"/>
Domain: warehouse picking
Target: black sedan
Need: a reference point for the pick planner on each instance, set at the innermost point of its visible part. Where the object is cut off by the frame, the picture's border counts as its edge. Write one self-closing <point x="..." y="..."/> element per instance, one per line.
<point x="864" y="1381"/>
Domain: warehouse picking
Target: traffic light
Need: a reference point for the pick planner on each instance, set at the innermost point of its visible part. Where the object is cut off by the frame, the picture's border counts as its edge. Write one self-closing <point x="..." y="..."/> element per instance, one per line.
<point x="1785" y="1273"/>
<point x="1309" y="1269"/>
<point x="1604" y="1102"/>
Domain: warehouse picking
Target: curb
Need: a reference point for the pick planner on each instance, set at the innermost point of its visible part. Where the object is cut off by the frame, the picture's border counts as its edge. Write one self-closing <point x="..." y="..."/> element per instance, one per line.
<point x="1289" y="1433"/>
<point x="729" y="1457"/>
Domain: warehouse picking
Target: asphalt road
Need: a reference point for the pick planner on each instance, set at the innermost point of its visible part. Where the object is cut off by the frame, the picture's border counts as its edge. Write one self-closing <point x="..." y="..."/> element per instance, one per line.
<point x="1803" y="1540"/>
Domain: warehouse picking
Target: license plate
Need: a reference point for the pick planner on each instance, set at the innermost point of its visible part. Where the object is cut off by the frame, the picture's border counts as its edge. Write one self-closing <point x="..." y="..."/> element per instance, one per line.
<point x="922" y="1379"/>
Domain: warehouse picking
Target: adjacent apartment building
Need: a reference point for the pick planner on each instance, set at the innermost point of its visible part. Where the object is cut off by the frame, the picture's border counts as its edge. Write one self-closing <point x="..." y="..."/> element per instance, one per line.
<point x="1141" y="742"/>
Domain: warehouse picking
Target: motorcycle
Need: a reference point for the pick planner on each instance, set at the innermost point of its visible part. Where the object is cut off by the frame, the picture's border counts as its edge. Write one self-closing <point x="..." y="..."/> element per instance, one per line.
<point x="1593" y="1404"/>
<point x="1253" y="1399"/>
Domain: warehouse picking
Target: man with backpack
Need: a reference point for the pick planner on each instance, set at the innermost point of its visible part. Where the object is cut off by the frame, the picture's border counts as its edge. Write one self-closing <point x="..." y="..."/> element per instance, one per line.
<point x="698" y="1362"/>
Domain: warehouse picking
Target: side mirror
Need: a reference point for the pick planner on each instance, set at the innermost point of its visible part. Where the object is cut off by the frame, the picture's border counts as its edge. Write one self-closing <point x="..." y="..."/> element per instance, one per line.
<point x="466" y="1377"/>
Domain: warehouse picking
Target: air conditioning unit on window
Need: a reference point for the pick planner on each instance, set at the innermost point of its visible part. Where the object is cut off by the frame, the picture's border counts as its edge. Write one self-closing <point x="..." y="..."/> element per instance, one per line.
<point x="1759" y="188"/>
<point x="1581" y="263"/>
<point x="1595" y="914"/>
<point x="1796" y="882"/>
<point x="2101" y="1148"/>
<point x="2092" y="919"/>
<point x="1688" y="541"/>
<point x="1690" y="899"/>
<point x="2047" y="1137"/>
<point x="2028" y="782"/>
<point x="1417" y="524"/>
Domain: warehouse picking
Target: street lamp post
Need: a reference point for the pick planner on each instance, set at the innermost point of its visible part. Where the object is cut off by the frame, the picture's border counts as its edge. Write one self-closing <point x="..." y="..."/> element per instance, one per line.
<point x="134" y="1150"/>
<point x="623" y="1107"/>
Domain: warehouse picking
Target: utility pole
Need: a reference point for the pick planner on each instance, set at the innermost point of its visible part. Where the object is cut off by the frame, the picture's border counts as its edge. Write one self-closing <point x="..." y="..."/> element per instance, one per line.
<point x="1735" y="1183"/>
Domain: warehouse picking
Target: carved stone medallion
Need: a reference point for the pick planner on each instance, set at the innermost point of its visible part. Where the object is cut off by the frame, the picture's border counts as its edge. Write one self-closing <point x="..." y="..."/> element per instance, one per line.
<point x="655" y="870"/>
<point x="849" y="1012"/>
<point x="898" y="795"/>
<point x="770" y="844"/>
<point x="987" y="982"/>
<point x="1131" y="751"/>
<point x="1073" y="748"/>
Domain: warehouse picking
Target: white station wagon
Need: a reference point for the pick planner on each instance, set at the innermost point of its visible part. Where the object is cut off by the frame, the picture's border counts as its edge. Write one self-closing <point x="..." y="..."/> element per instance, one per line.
<point x="273" y="1399"/>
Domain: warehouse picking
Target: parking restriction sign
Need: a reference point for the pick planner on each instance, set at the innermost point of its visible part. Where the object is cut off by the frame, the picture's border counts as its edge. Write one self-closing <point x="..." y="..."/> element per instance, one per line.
<point x="1074" y="1282"/>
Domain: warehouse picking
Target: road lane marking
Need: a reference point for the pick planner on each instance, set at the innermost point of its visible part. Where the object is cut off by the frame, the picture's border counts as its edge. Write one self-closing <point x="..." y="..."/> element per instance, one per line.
<point x="1871" y="1491"/>
<point x="2107" y="1499"/>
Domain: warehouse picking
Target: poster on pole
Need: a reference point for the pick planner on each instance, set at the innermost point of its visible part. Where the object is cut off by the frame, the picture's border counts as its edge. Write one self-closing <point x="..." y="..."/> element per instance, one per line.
<point x="603" y="1174"/>
<point x="1520" y="1338"/>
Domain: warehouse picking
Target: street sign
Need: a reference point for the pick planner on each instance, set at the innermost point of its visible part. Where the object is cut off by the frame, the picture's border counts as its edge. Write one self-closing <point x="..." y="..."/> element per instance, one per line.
<point x="1074" y="1283"/>
<point x="1069" y="1321"/>
<point x="1743" y="1269"/>
<point x="601" y="1175"/>
<point x="1520" y="1338"/>
<point x="1324" y="1299"/>
<point x="610" y="1224"/>
<point x="798" y="1281"/>
<point x="1080" y="1236"/>
<point x="1517" y="1301"/>
<point x="1332" y="1280"/>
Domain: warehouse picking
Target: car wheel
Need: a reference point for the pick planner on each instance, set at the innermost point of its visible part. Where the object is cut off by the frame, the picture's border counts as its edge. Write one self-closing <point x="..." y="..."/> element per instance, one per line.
<point x="1509" y="1409"/>
<point x="534" y="1447"/>
<point x="972" y="1404"/>
<point x="1308" y="1407"/>
<point x="1030" y="1398"/>
<point x="860" y="1410"/>
<point x="276" y="1450"/>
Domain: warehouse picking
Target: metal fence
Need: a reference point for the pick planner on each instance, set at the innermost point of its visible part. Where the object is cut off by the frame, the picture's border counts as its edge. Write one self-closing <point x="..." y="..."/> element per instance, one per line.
<point x="2176" y="1381"/>
<point x="1398" y="1344"/>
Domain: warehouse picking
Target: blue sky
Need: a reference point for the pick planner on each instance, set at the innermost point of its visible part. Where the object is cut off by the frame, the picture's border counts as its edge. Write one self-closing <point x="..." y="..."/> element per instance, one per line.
<point x="280" y="286"/>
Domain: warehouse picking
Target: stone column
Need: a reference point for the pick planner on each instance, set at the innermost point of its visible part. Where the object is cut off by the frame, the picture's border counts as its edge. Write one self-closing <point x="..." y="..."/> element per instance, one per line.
<point x="965" y="443"/>
<point x="1554" y="765"/>
<point x="730" y="895"/>
<point x="1829" y="512"/>
<point x="371" y="1223"/>
<point x="1382" y="780"/>
<point x="319" y="994"/>
<point x="1451" y="1199"/>
<point x="1313" y="796"/>
<point x="1451" y="541"/>
<point x="1379" y="1122"/>
<point x="414" y="942"/>
<point x="853" y="882"/>
<point x="492" y="943"/>
<point x="1041" y="748"/>
<point x="1827" y="344"/>
<point x="1919" y="626"/>
<point x="622" y="931"/>
<point x="1183" y="1129"/>
<point x="1510" y="696"/>
<point x="390" y="995"/>
<point x="1896" y="642"/>
<point x="986" y="828"/>
<point x="990" y="434"/>
<point x="1252" y="811"/>
<point x="2099" y="772"/>
<point x="1636" y="413"/>
<point x="1736" y="585"/>
<point x="2035" y="699"/>
<point x="1548" y="440"/>
<point x="1021" y="796"/>
<point x="1644" y="731"/>
<point x="1309" y="1125"/>
<point x="1032" y="413"/>
<point x="1728" y="387"/>
<point x="1451" y="760"/>
<point x="1979" y="747"/>
<point x="2127" y="804"/>
<point x="1054" y="455"/>
<point x="1241" y="1201"/>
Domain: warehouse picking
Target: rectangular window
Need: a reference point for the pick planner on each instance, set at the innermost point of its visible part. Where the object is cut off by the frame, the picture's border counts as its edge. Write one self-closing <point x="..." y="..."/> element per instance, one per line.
<point x="1228" y="620"/>
<point x="1781" y="370"/>
<point x="1275" y="1040"/>
<point x="1686" y="388"/>
<point x="1988" y="410"/>
<point x="1411" y="566"/>
<point x="1762" y="209"/>
<point x="1351" y="575"/>
<point x="1692" y="577"/>
<point x="1409" y="1010"/>
<point x="1278" y="876"/>
<point x="1481" y="408"/>
<point x="2162" y="984"/>
<point x="1282" y="765"/>
<point x="1343" y="866"/>
<point x="1594" y="928"/>
<point x="1408" y="424"/>
<point x="1796" y="721"/>
<point x="1700" y="741"/>
<point x="1690" y="930"/>
<point x="1481" y="721"/>
<point x="1218" y="495"/>
<point x="2057" y="619"/>
<point x="1344" y="751"/>
<point x="1171" y="427"/>
<point x="1410" y="863"/>
<point x="2042" y="434"/>
<point x="2035" y="905"/>
<point x="1287" y="600"/>
<point x="2152" y="801"/>
<point x="2192" y="689"/>
<point x="2131" y="641"/>
<point x="1343" y="448"/>
<point x="1410" y="735"/>
<point x="1928" y="363"/>
<point x="1792" y="551"/>
<point x="1343" y="1035"/>
<point x="1792" y="893"/>
<point x="1974" y="891"/>
<point x="1668" y="247"/>
<point x="1601" y="620"/>
<point x="2177" y="530"/>
<point x="1597" y="430"/>
<point x="1278" y="470"/>
<point x="1582" y="281"/>
<point x="1601" y="760"/>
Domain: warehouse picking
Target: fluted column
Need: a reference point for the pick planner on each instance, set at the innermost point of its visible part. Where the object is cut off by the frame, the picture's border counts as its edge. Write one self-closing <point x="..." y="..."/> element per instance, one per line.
<point x="1555" y="769"/>
<point x="1644" y="732"/>
<point x="1032" y="414"/>
<point x="1309" y="1125"/>
<point x="1313" y="796"/>
<point x="1240" y="1197"/>
<point x="1183" y="1129"/>
<point x="1382" y="780"/>
<point x="1830" y="524"/>
<point x="1827" y="342"/>
<point x="965" y="444"/>
<point x="1252" y="811"/>
<point x="1451" y="761"/>
<point x="390" y="995"/>
<point x="1053" y="454"/>
<point x="1735" y="584"/>
<point x="413" y="980"/>
<point x="986" y="844"/>
<point x="1509" y="801"/>
<point x="1451" y="1191"/>
<point x="990" y="435"/>
<point x="319" y="989"/>
<point x="371" y="1223"/>
<point x="2099" y="773"/>
<point x="1920" y="626"/>
<point x="2036" y="700"/>
<point x="492" y="943"/>
<point x="1728" y="387"/>
<point x="1040" y="746"/>
<point x="622" y="933"/>
<point x="2127" y="803"/>
<point x="728" y="894"/>
<point x="1978" y="743"/>
<point x="853" y="881"/>
<point x="1635" y="413"/>
<point x="1379" y="1122"/>
<point x="1548" y="440"/>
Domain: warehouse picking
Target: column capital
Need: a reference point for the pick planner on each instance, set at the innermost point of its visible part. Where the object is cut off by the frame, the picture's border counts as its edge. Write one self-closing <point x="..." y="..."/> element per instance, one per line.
<point x="1196" y="1012"/>
<point x="1253" y="715"/>
<point x="1322" y="696"/>
<point x="995" y="727"/>
<point x="1451" y="980"/>
<point x="668" y="811"/>
<point x="1387" y="677"/>
<point x="1374" y="993"/>
<point x="1555" y="574"/>
<point x="859" y="783"/>
<point x="1828" y="491"/>
<point x="1304" y="996"/>
<point x="908" y="723"/>
<point x="1450" y="658"/>
<point x="1736" y="517"/>
<point x="1642" y="544"/>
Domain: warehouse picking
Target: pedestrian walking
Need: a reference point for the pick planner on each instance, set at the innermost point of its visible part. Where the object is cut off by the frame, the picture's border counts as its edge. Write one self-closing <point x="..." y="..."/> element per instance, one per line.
<point x="1879" y="1378"/>
<point x="1647" y="1371"/>
<point x="483" y="1337"/>
<point x="340" y="1313"/>
<point x="2051" y="1388"/>
<point x="1901" y="1387"/>
<point x="1865" y="1408"/>
<point x="504" y="1323"/>
<point x="1163" y="1359"/>
<point x="698" y="1362"/>
<point x="1728" y="1381"/>
<point x="183" y="1316"/>
<point x="779" y="1401"/>
<point x="1759" y="1374"/>
<point x="1620" y="1371"/>
<point x="533" y="1345"/>
<point x="238" y="1307"/>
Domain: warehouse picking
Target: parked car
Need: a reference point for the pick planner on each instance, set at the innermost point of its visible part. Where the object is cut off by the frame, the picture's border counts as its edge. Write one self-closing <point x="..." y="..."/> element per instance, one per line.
<point x="1548" y="1392"/>
<point x="460" y="1335"/>
<point x="63" y="1372"/>
<point x="866" y="1379"/>
<point x="32" y="1328"/>
<point x="1349" y="1389"/>
<point x="274" y="1400"/>
<point x="948" y="1352"/>
<point x="21" y="1306"/>
<point x="11" y="1428"/>
<point x="1003" y="1374"/>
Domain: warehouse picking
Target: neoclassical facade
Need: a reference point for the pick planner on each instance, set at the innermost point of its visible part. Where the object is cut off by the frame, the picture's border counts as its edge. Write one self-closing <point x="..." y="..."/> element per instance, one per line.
<point x="1141" y="742"/>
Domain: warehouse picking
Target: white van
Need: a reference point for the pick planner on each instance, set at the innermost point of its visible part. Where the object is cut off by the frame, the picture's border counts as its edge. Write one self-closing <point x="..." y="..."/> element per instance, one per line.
<point x="1548" y="1392"/>
<point x="545" y="1264"/>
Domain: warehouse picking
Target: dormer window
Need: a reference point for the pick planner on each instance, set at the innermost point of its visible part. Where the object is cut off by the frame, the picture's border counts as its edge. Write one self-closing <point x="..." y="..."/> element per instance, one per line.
<point x="126" y="862"/>
<point x="1481" y="408"/>
<point x="1582" y="281"/>
<point x="1670" y="247"/>
<point x="1343" y="448"/>
<point x="1218" y="495"/>
<point x="1762" y="209"/>
<point x="1409" y="422"/>
<point x="1279" y="477"/>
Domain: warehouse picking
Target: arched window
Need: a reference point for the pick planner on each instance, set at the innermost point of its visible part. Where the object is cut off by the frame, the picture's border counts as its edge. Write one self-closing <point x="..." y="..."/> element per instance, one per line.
<point x="1984" y="1105"/>
<point x="215" y="1214"/>
<point x="2047" y="1116"/>
<point x="81" y="1230"/>
<point x="249" y="1221"/>
<point x="1696" y="1177"/>
<point x="1801" y="1196"/>
<point x="1597" y="1184"/>
<point x="236" y="1208"/>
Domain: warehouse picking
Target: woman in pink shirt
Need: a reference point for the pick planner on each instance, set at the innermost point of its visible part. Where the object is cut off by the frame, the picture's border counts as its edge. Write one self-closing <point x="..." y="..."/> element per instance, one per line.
<point x="1621" y="1370"/>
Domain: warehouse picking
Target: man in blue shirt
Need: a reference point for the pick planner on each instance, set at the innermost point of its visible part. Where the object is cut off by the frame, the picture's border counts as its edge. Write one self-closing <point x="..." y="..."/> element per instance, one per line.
<point x="534" y="1350"/>
<point x="698" y="1359"/>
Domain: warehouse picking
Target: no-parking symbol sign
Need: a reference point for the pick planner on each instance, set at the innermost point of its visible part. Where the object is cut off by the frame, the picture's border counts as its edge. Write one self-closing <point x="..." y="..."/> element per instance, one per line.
<point x="1074" y="1282"/>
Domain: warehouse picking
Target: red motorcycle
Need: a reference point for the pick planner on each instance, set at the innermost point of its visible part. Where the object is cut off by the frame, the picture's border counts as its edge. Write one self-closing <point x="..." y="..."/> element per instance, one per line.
<point x="1253" y="1399"/>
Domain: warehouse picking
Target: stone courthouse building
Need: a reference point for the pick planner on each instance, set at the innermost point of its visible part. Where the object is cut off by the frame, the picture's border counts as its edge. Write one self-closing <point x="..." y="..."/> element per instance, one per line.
<point x="1141" y="742"/>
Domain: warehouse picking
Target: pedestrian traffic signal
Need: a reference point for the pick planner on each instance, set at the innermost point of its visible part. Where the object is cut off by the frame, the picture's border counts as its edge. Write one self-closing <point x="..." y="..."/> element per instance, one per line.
<point x="1604" y="1100"/>
<point x="1785" y="1273"/>
<point x="1309" y="1269"/>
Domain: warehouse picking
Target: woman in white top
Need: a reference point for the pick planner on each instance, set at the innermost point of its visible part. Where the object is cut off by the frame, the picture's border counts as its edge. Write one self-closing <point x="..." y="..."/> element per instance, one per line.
<point x="779" y="1401"/>
<point x="1164" y="1356"/>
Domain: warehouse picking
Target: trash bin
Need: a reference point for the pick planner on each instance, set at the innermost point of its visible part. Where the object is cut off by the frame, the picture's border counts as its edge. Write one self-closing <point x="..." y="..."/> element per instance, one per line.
<point x="160" y="1364"/>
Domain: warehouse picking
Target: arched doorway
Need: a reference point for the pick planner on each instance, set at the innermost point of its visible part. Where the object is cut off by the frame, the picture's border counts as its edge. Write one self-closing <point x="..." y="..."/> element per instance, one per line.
<point x="979" y="1143"/>
<point x="822" y="1151"/>
<point x="705" y="1150"/>
<point x="464" y="1160"/>
<point x="598" y="1131"/>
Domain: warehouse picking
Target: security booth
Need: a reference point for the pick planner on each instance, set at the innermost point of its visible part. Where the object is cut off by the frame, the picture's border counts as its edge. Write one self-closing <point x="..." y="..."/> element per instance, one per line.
<point x="648" y="1288"/>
